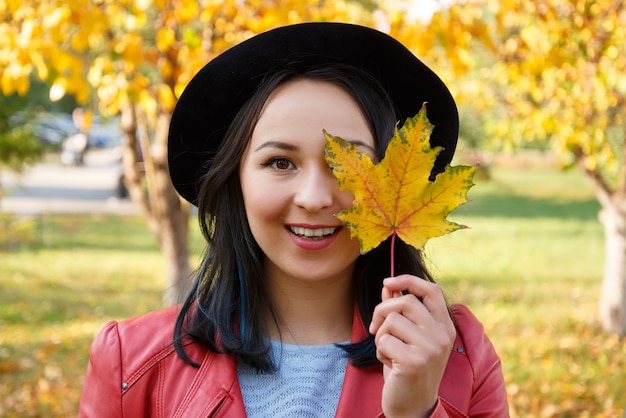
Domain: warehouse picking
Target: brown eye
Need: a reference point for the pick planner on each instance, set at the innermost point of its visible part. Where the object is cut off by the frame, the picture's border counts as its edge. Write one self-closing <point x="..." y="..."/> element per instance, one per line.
<point x="282" y="164"/>
<point x="279" y="164"/>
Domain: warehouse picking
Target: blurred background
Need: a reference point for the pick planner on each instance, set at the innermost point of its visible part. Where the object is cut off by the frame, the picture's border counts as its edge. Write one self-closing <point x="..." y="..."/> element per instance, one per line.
<point x="92" y="230"/>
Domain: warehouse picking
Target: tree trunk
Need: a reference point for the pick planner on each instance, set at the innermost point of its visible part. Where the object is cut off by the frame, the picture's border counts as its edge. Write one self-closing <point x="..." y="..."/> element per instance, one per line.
<point x="613" y="297"/>
<point x="149" y="187"/>
<point x="173" y="217"/>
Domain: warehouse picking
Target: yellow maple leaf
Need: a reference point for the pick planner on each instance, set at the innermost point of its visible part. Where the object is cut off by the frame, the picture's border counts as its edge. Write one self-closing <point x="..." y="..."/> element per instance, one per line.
<point x="395" y="197"/>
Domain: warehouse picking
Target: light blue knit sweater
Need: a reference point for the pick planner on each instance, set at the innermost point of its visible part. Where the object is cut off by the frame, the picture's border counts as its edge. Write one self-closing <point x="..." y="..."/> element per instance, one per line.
<point x="307" y="383"/>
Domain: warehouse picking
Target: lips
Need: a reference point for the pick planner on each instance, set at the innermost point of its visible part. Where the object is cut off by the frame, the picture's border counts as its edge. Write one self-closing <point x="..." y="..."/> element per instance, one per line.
<point x="313" y="237"/>
<point x="313" y="233"/>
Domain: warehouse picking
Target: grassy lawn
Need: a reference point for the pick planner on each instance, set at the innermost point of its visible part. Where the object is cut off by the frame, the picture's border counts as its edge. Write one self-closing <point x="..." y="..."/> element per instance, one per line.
<point x="529" y="267"/>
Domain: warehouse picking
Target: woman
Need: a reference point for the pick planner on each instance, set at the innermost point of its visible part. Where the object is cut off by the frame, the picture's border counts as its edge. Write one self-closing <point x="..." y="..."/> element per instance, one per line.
<point x="286" y="317"/>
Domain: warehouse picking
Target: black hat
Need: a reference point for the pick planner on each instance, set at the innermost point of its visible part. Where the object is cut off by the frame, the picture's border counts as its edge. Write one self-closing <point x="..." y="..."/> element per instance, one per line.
<point x="216" y="93"/>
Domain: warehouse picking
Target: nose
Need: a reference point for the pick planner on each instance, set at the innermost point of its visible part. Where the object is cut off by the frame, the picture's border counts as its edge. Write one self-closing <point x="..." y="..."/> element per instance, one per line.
<point x="316" y="189"/>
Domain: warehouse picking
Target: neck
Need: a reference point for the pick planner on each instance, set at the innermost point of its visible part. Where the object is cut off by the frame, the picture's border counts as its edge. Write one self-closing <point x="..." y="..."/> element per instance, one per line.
<point x="310" y="313"/>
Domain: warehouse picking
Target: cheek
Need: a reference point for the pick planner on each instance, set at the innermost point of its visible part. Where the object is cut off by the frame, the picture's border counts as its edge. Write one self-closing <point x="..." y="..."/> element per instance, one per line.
<point x="261" y="201"/>
<point x="345" y="199"/>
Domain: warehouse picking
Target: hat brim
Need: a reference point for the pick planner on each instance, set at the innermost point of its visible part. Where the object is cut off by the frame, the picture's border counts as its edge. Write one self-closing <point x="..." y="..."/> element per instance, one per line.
<point x="213" y="97"/>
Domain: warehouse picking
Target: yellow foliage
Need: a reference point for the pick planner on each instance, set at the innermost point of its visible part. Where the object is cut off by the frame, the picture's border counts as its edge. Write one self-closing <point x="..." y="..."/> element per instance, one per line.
<point x="160" y="4"/>
<point x="560" y="66"/>
<point x="130" y="47"/>
<point x="166" y="97"/>
<point x="185" y="11"/>
<point x="80" y="89"/>
<point x="591" y="162"/>
<point x="181" y="83"/>
<point x="165" y="68"/>
<point x="55" y="16"/>
<point x="79" y="41"/>
<point x="18" y="84"/>
<point x="148" y="103"/>
<point x="165" y="38"/>
<point x="55" y="37"/>
<point x="38" y="61"/>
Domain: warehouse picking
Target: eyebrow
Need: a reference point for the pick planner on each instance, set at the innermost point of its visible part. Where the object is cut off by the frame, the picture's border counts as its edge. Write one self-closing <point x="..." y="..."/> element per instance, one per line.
<point x="290" y="147"/>
<point x="276" y="144"/>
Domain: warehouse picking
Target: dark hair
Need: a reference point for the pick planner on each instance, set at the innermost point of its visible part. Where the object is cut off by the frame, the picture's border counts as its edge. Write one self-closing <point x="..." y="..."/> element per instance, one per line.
<point x="223" y="310"/>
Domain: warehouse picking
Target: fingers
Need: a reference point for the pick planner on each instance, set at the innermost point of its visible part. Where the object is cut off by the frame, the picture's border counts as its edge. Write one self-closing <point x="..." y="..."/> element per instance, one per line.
<point x="410" y="353"/>
<point x="432" y="305"/>
<point x="414" y="334"/>
<point x="404" y="306"/>
<point x="403" y="324"/>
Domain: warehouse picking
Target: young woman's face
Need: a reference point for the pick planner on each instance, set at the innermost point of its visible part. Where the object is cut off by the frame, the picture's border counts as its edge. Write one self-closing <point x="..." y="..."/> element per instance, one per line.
<point x="290" y="194"/>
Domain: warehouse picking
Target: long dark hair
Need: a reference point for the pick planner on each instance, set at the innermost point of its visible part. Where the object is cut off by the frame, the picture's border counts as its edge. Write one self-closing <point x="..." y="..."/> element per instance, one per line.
<point x="223" y="310"/>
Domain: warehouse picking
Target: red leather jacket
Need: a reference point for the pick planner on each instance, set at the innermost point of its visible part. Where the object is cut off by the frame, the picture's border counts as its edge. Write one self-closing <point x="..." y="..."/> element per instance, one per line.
<point x="134" y="372"/>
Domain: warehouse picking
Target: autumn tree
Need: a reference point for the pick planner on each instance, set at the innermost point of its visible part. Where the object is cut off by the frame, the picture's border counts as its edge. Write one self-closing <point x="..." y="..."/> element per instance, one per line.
<point x="134" y="58"/>
<point x="551" y="71"/>
<point x="564" y="66"/>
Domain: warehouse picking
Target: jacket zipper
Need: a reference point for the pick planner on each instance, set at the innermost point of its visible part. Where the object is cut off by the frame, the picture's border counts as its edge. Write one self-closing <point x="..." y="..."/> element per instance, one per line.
<point x="216" y="409"/>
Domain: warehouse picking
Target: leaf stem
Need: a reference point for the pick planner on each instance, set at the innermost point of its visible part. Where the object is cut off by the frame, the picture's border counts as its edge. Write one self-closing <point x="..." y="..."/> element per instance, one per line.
<point x="393" y="246"/>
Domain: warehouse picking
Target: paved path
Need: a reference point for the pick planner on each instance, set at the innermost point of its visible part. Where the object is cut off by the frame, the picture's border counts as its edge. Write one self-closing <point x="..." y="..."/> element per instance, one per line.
<point x="50" y="187"/>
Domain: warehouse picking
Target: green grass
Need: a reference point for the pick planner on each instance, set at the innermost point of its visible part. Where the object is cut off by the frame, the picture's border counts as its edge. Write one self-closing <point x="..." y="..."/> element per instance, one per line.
<point x="56" y="292"/>
<point x="529" y="267"/>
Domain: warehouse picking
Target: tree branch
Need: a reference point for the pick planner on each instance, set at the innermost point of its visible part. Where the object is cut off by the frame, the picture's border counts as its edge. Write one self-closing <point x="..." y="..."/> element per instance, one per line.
<point x="603" y="190"/>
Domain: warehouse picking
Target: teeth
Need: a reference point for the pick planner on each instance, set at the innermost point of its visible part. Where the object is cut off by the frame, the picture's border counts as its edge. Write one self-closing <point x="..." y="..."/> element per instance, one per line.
<point x="312" y="233"/>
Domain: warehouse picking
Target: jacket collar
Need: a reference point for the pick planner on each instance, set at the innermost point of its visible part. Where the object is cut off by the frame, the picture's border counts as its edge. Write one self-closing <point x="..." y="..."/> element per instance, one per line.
<point x="215" y="387"/>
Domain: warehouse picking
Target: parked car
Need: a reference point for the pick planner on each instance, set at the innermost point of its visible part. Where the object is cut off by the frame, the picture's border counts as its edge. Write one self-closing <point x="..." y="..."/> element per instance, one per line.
<point x="54" y="128"/>
<point x="105" y="133"/>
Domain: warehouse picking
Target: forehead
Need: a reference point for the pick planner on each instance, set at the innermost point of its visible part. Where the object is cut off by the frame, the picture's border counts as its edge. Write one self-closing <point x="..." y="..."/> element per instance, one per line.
<point x="306" y="107"/>
<point x="305" y="92"/>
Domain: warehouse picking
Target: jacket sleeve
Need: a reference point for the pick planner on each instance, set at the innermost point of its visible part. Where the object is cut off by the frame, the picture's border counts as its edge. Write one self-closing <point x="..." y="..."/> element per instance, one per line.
<point x="488" y="396"/>
<point x="102" y="392"/>
<point x="444" y="409"/>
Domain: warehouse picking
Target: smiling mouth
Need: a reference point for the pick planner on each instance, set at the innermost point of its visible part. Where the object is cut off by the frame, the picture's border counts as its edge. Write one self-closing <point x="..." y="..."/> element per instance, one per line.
<point x="314" y="234"/>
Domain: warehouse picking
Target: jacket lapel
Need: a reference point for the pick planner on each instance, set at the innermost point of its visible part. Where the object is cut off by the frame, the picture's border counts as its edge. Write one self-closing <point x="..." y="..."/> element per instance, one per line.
<point x="215" y="390"/>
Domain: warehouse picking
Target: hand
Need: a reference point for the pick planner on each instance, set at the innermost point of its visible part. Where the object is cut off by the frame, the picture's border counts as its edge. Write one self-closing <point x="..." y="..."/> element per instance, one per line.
<point x="413" y="341"/>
